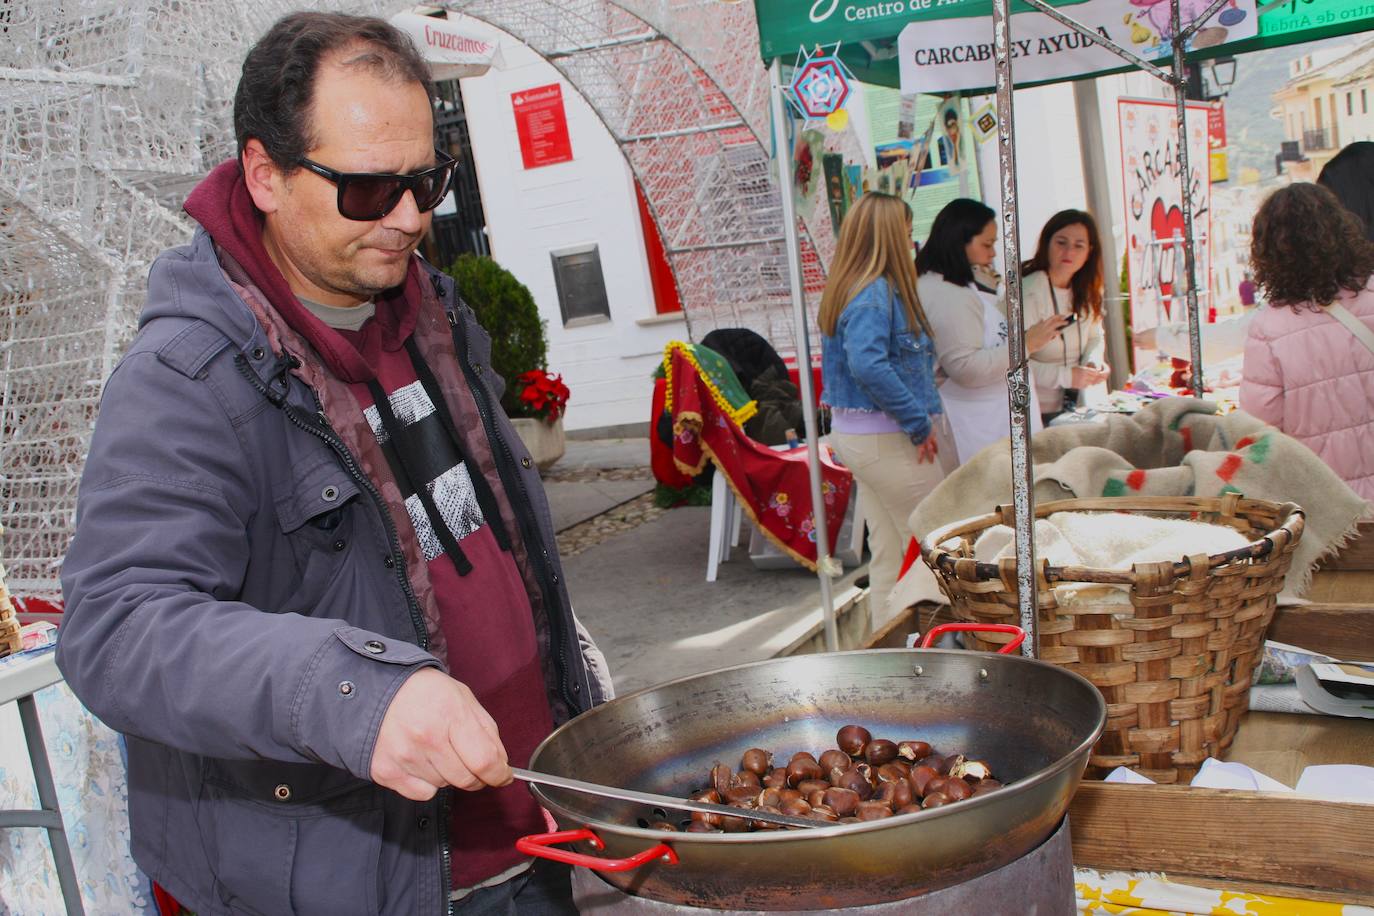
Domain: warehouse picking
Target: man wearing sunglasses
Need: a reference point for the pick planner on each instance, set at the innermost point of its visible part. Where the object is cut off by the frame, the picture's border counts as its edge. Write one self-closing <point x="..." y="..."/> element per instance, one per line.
<point x="314" y="579"/>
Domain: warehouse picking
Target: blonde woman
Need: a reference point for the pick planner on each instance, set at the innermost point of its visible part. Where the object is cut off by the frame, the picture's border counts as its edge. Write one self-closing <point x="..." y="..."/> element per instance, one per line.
<point x="878" y="368"/>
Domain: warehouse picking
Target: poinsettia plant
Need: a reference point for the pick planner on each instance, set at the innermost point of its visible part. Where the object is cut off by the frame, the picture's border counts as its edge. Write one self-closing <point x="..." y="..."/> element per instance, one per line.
<point x="542" y="394"/>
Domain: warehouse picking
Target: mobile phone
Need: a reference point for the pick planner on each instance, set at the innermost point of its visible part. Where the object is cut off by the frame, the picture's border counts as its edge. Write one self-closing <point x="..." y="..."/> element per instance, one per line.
<point x="1070" y="318"/>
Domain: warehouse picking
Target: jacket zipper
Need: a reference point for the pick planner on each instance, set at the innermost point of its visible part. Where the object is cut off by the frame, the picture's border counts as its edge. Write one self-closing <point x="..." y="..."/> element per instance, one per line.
<point x="351" y="465"/>
<point x="417" y="620"/>
<point x="523" y="510"/>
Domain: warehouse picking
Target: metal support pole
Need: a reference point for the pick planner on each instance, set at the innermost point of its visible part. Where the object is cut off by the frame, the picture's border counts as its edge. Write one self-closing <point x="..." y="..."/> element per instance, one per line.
<point x="1018" y="377"/>
<point x="824" y="562"/>
<point x="1185" y="178"/>
<point x="47" y="801"/>
<point x="1092" y="149"/>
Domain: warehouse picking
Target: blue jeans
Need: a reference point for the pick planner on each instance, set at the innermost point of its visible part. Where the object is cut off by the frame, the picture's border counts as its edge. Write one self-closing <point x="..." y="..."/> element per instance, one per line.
<point x="544" y="890"/>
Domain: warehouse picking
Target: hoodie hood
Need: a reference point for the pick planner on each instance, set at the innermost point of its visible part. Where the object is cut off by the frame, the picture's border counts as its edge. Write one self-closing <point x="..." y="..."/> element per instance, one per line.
<point x="225" y="210"/>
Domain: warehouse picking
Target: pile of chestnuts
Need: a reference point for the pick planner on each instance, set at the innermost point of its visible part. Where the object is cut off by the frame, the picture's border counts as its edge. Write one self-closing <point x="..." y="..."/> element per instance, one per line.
<point x="861" y="779"/>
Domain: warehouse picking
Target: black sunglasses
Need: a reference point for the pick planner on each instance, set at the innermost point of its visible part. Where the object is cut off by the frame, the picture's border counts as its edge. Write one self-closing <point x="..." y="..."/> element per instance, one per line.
<point x="366" y="196"/>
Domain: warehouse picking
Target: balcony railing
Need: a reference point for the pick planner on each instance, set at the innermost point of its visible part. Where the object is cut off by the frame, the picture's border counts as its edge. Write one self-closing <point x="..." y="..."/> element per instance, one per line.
<point x="1319" y="139"/>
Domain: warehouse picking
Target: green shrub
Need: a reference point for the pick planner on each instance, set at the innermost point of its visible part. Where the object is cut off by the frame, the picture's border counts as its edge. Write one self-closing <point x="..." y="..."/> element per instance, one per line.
<point x="507" y="311"/>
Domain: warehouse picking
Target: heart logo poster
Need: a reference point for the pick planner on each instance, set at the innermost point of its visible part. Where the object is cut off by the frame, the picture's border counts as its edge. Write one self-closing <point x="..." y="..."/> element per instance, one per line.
<point x="1152" y="179"/>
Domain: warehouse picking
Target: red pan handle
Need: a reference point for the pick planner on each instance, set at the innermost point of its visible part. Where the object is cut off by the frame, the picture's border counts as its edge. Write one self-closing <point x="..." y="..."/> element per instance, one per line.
<point x="541" y="845"/>
<point x="1009" y="648"/>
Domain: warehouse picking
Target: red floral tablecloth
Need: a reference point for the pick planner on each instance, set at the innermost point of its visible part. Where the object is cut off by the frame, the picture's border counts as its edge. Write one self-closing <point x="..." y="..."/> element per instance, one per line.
<point x="773" y="487"/>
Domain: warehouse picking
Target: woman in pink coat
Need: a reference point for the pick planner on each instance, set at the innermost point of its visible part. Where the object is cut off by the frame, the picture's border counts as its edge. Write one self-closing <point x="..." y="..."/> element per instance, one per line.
<point x="1305" y="371"/>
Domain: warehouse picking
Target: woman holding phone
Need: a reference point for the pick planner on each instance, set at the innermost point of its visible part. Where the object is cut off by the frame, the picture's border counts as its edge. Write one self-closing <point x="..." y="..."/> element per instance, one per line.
<point x="1064" y="278"/>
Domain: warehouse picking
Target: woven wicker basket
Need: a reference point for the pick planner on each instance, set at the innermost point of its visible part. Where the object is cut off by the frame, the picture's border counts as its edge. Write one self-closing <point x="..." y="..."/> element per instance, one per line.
<point x="1175" y="663"/>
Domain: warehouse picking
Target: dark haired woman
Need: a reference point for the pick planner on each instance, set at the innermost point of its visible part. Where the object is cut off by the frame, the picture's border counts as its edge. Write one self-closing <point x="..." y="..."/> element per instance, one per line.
<point x="970" y="330"/>
<point x="1350" y="176"/>
<point x="1065" y="278"/>
<point x="1309" y="362"/>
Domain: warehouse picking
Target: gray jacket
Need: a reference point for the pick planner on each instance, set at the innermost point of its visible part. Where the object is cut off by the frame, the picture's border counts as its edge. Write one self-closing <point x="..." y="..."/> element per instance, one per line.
<point x="237" y="604"/>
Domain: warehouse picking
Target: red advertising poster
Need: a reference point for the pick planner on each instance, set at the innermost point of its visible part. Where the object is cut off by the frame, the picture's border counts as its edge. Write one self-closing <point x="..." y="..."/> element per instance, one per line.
<point x="1216" y="126"/>
<point x="542" y="125"/>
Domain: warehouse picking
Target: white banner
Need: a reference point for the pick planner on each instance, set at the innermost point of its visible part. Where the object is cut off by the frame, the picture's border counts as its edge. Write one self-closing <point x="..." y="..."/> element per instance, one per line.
<point x="951" y="55"/>
<point x="450" y="51"/>
<point x="1150" y="171"/>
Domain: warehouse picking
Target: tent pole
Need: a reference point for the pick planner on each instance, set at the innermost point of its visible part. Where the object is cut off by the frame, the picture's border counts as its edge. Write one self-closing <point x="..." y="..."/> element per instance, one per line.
<point x="824" y="562"/>
<point x="1185" y="172"/>
<point x="1092" y="149"/>
<point x="1018" y="378"/>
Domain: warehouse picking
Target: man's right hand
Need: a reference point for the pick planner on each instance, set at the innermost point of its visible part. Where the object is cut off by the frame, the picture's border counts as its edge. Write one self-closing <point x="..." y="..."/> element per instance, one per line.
<point x="436" y="734"/>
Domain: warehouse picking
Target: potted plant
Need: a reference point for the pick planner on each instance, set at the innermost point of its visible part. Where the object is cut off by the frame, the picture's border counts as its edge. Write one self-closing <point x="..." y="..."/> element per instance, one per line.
<point x="534" y="398"/>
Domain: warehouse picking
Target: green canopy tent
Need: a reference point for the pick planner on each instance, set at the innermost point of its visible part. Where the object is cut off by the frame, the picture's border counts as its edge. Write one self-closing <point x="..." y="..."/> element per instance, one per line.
<point x="868" y="32"/>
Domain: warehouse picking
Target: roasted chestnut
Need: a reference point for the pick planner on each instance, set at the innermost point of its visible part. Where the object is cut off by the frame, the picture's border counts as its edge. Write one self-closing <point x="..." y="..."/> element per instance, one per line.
<point x="921" y="777"/>
<point x="803" y="755"/>
<point x="872" y="811"/>
<point x="855" y="781"/>
<point x="934" y="800"/>
<point x="766" y="825"/>
<point x="803" y="768"/>
<point x="823" y="813"/>
<point x="741" y="796"/>
<point x="663" y="825"/>
<point x="797" y="807"/>
<point x="880" y="751"/>
<point x="747" y="778"/>
<point x="702" y="827"/>
<point x="834" y="758"/>
<point x="886" y="793"/>
<point x="890" y="772"/>
<point x="777" y="777"/>
<point x="972" y="770"/>
<point x="952" y="761"/>
<point x="957" y="789"/>
<point x="913" y="751"/>
<point x="852" y="738"/>
<point x="908" y="809"/>
<point x="816" y="797"/>
<point x="722" y="777"/>
<point x="935" y="761"/>
<point x="807" y="786"/>
<point x="731" y="824"/>
<point x="768" y="798"/>
<point x="756" y="761"/>
<point x="986" y="785"/>
<point x="842" y="801"/>
<point x="937" y="785"/>
<point x="902" y="795"/>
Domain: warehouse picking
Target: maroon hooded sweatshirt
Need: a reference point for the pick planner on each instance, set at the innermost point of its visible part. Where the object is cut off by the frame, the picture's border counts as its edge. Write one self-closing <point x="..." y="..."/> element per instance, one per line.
<point x="484" y="610"/>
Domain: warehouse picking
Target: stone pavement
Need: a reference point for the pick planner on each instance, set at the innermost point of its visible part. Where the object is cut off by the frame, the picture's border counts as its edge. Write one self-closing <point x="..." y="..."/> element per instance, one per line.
<point x="637" y="574"/>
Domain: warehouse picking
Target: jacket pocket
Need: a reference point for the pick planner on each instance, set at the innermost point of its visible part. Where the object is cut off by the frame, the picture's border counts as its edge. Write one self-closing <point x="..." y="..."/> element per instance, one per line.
<point x="276" y="852"/>
<point x="315" y="513"/>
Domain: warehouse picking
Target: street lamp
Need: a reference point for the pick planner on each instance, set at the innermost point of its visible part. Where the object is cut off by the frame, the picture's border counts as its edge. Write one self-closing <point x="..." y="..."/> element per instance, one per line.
<point x="1223" y="72"/>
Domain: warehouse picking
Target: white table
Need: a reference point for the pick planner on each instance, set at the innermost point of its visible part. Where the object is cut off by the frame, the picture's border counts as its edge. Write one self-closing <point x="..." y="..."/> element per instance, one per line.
<point x="19" y="681"/>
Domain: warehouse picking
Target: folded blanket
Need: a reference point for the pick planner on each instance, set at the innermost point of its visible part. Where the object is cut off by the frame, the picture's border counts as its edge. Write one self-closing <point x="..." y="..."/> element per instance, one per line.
<point x="1174" y="447"/>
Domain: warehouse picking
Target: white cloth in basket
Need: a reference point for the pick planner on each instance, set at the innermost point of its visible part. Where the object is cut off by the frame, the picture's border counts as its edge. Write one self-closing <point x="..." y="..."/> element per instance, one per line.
<point x="1108" y="540"/>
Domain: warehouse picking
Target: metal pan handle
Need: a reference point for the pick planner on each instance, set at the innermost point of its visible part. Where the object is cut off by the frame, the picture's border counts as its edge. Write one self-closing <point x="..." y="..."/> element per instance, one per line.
<point x="1009" y="648"/>
<point x="541" y="845"/>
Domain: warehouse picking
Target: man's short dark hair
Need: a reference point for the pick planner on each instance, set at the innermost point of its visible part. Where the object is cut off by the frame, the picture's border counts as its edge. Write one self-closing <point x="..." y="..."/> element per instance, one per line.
<point x="272" y="103"/>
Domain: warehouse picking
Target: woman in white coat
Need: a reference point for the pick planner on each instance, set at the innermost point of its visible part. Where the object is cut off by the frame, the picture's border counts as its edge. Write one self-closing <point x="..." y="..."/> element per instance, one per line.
<point x="970" y="330"/>
<point x="1065" y="278"/>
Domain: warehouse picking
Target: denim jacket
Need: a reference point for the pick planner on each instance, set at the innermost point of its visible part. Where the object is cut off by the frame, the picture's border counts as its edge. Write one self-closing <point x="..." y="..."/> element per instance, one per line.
<point x="875" y="362"/>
